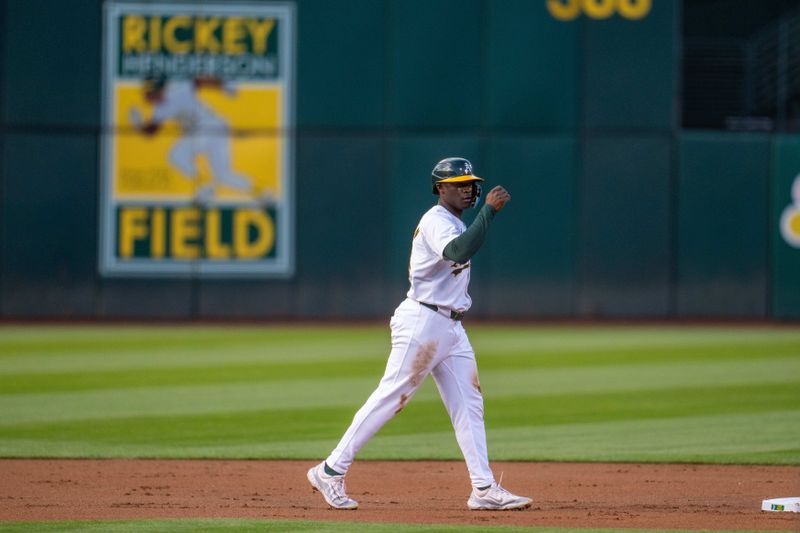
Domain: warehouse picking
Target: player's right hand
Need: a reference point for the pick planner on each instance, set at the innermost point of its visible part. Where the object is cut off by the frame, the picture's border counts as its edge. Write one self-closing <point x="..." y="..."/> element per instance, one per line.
<point x="498" y="197"/>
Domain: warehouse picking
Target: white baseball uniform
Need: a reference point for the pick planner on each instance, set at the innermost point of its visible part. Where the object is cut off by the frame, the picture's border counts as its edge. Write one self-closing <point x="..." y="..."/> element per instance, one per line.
<point x="428" y="341"/>
<point x="204" y="133"/>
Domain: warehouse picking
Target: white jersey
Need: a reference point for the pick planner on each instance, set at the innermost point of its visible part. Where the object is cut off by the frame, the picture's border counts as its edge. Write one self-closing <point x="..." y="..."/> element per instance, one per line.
<point x="434" y="279"/>
<point x="181" y="103"/>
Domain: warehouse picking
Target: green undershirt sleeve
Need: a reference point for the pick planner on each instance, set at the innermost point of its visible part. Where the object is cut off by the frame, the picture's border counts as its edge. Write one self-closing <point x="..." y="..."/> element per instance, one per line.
<point x="463" y="247"/>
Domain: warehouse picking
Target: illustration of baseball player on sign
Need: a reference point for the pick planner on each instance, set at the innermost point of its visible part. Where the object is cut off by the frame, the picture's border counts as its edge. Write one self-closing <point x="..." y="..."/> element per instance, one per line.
<point x="203" y="132"/>
<point x="194" y="131"/>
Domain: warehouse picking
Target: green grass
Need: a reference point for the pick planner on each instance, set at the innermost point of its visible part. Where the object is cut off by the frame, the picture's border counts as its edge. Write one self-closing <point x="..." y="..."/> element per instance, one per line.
<point x="695" y="394"/>
<point x="215" y="525"/>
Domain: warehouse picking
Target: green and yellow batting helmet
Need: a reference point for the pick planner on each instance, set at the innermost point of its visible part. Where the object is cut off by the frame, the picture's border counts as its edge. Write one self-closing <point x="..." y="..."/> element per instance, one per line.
<point x="454" y="170"/>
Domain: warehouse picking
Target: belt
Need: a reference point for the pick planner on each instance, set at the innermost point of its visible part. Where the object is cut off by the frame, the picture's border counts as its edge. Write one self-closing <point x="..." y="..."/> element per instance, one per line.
<point x="455" y="315"/>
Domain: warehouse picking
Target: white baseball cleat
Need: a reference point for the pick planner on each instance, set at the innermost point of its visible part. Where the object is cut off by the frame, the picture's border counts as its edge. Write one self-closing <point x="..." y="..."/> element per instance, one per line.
<point x="331" y="488"/>
<point x="496" y="498"/>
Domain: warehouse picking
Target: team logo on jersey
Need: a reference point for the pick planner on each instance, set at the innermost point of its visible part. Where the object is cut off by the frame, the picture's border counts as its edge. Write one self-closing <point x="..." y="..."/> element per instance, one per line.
<point x="458" y="268"/>
<point x="196" y="163"/>
<point x="790" y="218"/>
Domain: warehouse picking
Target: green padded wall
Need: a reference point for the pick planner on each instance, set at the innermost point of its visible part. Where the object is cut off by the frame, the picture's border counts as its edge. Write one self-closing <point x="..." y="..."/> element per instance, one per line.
<point x="629" y="77"/>
<point x="48" y="213"/>
<point x="52" y="63"/>
<point x="3" y="234"/>
<point x="722" y="230"/>
<point x="527" y="266"/>
<point x="531" y="76"/>
<point x="631" y="71"/>
<point x="435" y="55"/>
<point x="624" y="227"/>
<point x="785" y="287"/>
<point x="334" y="89"/>
<point x="49" y="115"/>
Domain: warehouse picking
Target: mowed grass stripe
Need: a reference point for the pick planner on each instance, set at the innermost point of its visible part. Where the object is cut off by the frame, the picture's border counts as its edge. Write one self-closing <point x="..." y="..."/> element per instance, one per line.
<point x="273" y="526"/>
<point x="258" y="352"/>
<point x="768" y="438"/>
<point x="595" y="377"/>
<point x="186" y="400"/>
<point x="644" y="355"/>
<point x="420" y="416"/>
<point x="97" y="340"/>
<point x="222" y="372"/>
<point x="257" y="393"/>
<point x="733" y="438"/>
<point x="156" y="348"/>
<point x="610" y="337"/>
<point x="156" y="360"/>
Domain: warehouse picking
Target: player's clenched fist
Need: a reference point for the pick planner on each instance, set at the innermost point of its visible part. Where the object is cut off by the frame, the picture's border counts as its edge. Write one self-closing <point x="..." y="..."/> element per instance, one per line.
<point x="498" y="197"/>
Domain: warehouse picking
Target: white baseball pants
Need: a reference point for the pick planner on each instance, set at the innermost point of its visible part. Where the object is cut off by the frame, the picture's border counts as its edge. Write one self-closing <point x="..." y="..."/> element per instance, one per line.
<point x="423" y="342"/>
<point x="185" y="151"/>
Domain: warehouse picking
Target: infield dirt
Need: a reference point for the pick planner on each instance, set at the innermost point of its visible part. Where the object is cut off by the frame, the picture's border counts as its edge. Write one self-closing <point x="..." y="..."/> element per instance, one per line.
<point x="663" y="496"/>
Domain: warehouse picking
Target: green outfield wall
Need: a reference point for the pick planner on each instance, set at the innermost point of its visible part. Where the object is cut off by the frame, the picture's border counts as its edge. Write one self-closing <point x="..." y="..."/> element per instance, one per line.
<point x="617" y="212"/>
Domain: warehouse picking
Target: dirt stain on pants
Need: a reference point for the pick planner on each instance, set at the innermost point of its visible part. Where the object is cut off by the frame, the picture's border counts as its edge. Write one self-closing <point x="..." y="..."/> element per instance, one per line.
<point x="422" y="361"/>
<point x="419" y="369"/>
<point x="403" y="401"/>
<point x="475" y="381"/>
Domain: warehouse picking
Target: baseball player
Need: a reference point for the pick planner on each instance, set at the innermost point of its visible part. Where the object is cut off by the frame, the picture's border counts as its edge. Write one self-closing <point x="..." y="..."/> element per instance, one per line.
<point x="204" y="132"/>
<point x="428" y="338"/>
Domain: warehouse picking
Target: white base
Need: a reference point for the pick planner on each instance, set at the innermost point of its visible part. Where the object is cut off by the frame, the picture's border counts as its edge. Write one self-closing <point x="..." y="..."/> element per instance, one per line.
<point x="791" y="505"/>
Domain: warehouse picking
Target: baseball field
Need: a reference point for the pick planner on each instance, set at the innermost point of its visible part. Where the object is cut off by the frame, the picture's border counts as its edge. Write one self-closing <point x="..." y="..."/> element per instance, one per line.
<point x="212" y="427"/>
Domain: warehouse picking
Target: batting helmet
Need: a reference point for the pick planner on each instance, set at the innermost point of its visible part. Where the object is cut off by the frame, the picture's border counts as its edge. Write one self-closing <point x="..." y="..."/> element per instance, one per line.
<point x="456" y="170"/>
